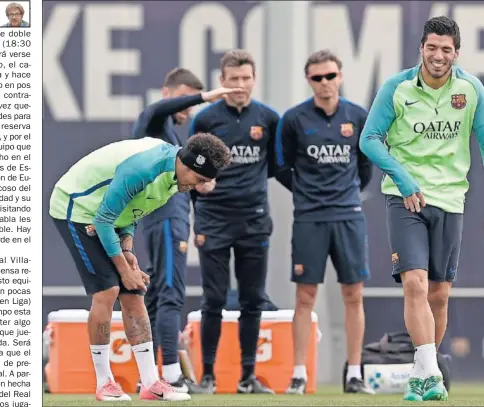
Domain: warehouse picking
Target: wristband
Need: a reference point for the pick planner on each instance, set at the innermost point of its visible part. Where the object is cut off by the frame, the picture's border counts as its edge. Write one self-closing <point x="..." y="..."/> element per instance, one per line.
<point x="128" y="250"/>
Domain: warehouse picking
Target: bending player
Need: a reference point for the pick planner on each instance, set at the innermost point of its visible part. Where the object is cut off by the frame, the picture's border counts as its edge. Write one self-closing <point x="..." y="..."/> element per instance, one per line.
<point x="95" y="206"/>
<point x="425" y="115"/>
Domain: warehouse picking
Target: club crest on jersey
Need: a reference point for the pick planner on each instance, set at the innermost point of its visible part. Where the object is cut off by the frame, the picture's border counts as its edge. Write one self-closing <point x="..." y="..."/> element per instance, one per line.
<point x="256" y="132"/>
<point x="458" y="101"/>
<point x="347" y="129"/>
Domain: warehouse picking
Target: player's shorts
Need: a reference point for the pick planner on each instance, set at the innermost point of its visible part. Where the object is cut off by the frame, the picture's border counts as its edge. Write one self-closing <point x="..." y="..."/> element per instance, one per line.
<point x="96" y="269"/>
<point x="345" y="242"/>
<point x="429" y="240"/>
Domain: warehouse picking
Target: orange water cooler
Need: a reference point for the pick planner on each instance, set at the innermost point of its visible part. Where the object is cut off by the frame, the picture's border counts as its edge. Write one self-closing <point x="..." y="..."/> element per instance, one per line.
<point x="70" y="369"/>
<point x="274" y="363"/>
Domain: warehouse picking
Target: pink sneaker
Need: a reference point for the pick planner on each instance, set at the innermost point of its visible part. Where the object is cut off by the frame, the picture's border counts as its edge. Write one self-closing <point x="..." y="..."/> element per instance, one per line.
<point x="111" y="391"/>
<point x="161" y="390"/>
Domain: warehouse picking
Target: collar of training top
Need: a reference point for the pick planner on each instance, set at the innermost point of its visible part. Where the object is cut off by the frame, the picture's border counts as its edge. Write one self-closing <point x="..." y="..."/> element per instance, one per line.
<point x="197" y="162"/>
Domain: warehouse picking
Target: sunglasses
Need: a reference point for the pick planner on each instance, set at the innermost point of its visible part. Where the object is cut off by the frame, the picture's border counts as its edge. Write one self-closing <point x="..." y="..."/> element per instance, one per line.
<point x="328" y="76"/>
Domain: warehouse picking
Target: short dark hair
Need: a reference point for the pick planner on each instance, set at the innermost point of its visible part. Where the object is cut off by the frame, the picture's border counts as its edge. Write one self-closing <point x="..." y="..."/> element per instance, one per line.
<point x="211" y="147"/>
<point x="236" y="58"/>
<point x="182" y="76"/>
<point x="321" y="56"/>
<point x="442" y="26"/>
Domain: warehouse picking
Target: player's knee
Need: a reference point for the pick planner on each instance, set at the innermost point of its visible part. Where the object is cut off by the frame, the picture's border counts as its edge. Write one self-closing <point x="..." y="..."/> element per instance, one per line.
<point x="251" y="302"/>
<point x="213" y="304"/>
<point x="132" y="303"/>
<point x="306" y="296"/>
<point x="352" y="294"/>
<point x="415" y="284"/>
<point x="105" y="299"/>
<point x="438" y="295"/>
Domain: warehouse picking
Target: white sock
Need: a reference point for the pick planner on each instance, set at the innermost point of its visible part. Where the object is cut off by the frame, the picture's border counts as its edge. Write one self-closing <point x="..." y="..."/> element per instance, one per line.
<point x="353" y="371"/>
<point x="426" y="361"/>
<point x="145" y="360"/>
<point x="300" y="372"/>
<point x="100" y="358"/>
<point x="171" y="373"/>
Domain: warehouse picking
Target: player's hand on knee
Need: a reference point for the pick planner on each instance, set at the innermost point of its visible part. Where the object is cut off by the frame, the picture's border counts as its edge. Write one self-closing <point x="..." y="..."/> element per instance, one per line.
<point x="414" y="202"/>
<point x="132" y="260"/>
<point x="133" y="280"/>
<point x="145" y="277"/>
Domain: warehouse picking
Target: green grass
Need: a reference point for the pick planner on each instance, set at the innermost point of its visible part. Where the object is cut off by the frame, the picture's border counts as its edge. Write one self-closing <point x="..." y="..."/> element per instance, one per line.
<point x="460" y="395"/>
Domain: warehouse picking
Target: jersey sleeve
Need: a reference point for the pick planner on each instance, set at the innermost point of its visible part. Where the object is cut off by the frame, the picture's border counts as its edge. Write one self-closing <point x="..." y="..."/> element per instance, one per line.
<point x="198" y="125"/>
<point x="380" y="118"/>
<point x="282" y="175"/>
<point x="478" y="125"/>
<point x="286" y="142"/>
<point x="365" y="167"/>
<point x="131" y="177"/>
<point x="154" y="116"/>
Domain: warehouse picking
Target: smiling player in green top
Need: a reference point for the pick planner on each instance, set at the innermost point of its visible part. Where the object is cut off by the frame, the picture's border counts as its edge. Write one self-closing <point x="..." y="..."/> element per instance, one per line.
<point x="418" y="133"/>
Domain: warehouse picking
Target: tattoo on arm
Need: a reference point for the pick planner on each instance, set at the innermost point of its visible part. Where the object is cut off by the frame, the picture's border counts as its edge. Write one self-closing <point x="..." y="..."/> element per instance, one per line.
<point x="126" y="242"/>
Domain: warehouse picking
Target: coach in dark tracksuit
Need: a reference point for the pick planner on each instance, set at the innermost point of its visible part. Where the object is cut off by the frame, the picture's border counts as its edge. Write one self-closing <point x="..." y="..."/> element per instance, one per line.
<point x="319" y="140"/>
<point x="235" y="215"/>
<point x="167" y="229"/>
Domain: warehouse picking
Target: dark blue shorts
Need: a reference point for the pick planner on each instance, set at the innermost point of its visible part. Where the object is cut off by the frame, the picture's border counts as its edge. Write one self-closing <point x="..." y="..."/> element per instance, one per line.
<point x="429" y="240"/>
<point x="345" y="242"/>
<point x="95" y="267"/>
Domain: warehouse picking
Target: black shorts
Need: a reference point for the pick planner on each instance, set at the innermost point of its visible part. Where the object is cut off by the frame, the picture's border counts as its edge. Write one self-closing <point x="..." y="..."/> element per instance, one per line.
<point x="345" y="242"/>
<point x="429" y="240"/>
<point x="96" y="269"/>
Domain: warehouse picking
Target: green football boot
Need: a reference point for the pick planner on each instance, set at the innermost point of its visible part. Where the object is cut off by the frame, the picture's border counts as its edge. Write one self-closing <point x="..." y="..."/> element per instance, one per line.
<point x="434" y="389"/>
<point x="415" y="389"/>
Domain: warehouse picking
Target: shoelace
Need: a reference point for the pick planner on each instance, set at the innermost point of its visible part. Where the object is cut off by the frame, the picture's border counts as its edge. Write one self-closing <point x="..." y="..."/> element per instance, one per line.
<point x="166" y="386"/>
<point x="431" y="381"/>
<point x="415" y="386"/>
<point x="114" y="388"/>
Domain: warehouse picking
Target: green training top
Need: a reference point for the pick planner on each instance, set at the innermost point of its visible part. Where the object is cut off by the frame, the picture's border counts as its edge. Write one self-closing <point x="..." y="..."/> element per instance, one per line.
<point x="116" y="185"/>
<point x="427" y="136"/>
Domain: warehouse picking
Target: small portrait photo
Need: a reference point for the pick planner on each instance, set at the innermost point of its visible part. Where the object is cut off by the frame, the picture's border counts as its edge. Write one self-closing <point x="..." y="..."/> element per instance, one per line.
<point x="17" y="14"/>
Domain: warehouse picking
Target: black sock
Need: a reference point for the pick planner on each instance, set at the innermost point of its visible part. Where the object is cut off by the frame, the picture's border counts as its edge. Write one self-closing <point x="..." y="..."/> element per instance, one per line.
<point x="211" y="325"/>
<point x="247" y="371"/>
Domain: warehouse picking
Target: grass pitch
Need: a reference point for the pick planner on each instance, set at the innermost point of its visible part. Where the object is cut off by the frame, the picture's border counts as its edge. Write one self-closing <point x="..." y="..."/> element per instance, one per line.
<point x="460" y="395"/>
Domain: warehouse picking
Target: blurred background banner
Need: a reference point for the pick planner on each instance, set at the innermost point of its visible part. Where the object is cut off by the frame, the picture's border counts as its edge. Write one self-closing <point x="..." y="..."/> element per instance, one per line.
<point x="105" y="61"/>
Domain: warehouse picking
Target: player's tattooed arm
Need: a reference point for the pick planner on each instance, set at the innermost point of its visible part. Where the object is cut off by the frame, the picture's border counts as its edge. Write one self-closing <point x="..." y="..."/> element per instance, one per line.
<point x="126" y="242"/>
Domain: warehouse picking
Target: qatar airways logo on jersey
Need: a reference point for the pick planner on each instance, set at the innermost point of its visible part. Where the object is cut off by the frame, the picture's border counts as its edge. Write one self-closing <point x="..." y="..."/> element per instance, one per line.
<point x="438" y="130"/>
<point x="330" y="154"/>
<point x="245" y="154"/>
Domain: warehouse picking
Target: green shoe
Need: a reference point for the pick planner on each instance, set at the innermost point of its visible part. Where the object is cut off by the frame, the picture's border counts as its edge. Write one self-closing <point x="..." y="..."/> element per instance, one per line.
<point x="434" y="389"/>
<point x="415" y="389"/>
